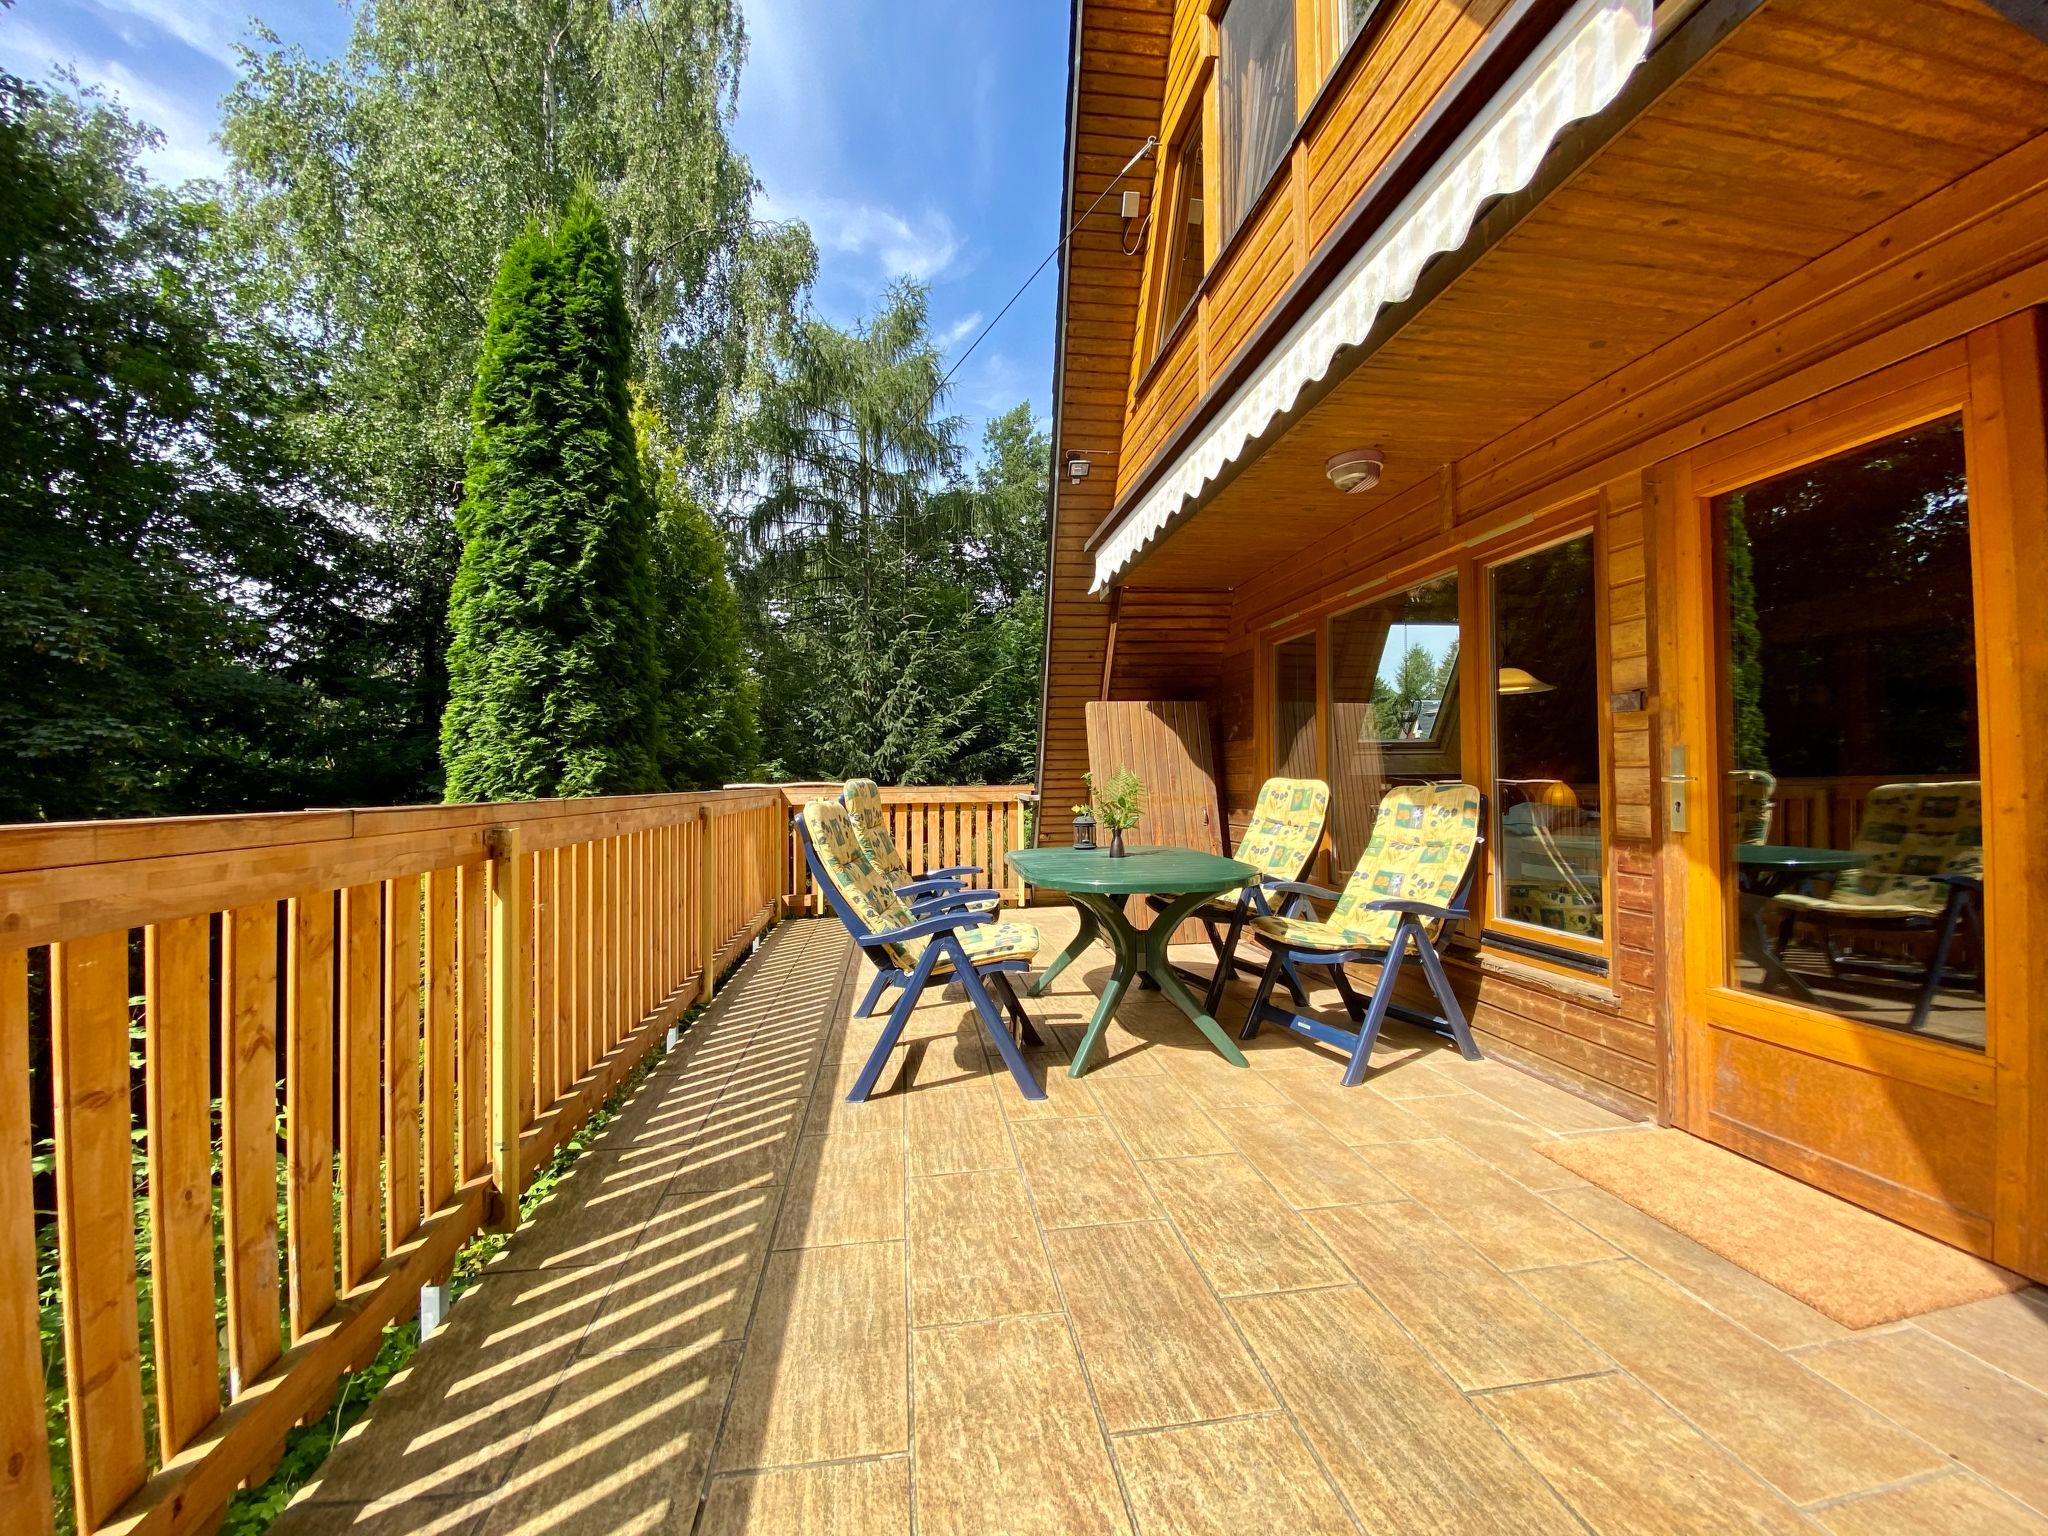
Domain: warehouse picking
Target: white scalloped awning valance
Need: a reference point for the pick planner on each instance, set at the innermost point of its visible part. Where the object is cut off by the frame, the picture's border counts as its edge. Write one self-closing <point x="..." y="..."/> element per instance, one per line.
<point x="1577" y="71"/>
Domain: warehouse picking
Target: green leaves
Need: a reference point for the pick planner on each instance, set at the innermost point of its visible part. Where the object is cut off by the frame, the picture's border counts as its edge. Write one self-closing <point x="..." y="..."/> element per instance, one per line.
<point x="554" y="672"/>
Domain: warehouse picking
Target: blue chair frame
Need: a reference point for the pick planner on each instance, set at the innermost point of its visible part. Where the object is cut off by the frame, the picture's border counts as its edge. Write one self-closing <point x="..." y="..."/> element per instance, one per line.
<point x="1370" y="1014"/>
<point x="942" y="927"/>
<point x="936" y="890"/>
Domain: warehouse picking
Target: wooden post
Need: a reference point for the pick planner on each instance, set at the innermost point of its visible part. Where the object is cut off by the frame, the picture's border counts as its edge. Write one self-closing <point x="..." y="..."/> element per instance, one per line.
<point x="707" y="907"/>
<point x="510" y="1027"/>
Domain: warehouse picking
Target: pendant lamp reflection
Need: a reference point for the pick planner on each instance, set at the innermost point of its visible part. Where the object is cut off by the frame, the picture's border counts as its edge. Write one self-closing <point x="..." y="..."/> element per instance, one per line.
<point x="1513" y="680"/>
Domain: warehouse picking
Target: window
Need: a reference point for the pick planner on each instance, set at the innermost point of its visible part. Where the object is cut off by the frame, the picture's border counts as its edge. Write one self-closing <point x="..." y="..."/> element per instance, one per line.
<point x="1294" y="707"/>
<point x="1344" y="20"/>
<point x="1854" y="829"/>
<point x="1393" y="705"/>
<point x="1186" y="259"/>
<point x="1549" y="851"/>
<point x="1255" y="102"/>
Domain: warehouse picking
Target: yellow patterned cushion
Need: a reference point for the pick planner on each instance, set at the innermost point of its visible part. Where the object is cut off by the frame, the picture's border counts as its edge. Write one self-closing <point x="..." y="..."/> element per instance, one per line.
<point x="1287" y="824"/>
<point x="863" y="801"/>
<point x="1422" y="842"/>
<point x="1910" y="834"/>
<point x="875" y="902"/>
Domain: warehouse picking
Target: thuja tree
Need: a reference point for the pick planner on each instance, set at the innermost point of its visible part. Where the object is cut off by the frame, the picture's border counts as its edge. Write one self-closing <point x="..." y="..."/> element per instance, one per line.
<point x="554" y="675"/>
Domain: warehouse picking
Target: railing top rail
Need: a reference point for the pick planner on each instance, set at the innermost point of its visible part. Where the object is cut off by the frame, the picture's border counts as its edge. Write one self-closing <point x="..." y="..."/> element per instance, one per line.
<point x="63" y="881"/>
<point x="910" y="794"/>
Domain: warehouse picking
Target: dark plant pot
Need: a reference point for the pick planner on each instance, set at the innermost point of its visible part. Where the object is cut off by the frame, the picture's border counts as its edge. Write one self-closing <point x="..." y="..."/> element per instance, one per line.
<point x="1084" y="832"/>
<point x="1116" y="845"/>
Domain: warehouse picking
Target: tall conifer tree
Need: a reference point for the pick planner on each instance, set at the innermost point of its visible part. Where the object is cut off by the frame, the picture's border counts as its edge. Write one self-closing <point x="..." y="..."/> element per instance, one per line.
<point x="554" y="675"/>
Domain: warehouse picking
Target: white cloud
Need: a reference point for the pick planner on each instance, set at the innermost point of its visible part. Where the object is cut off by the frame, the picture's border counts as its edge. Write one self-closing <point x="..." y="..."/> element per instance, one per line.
<point x="187" y="149"/>
<point x="958" y="332"/>
<point x="923" y="245"/>
<point x="204" y="27"/>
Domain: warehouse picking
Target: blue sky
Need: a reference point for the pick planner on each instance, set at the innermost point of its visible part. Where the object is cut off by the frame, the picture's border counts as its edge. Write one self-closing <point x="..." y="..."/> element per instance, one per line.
<point x="916" y="137"/>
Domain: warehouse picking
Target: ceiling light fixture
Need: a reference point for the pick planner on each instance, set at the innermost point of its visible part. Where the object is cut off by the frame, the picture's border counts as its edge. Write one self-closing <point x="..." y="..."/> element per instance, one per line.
<point x="1355" y="469"/>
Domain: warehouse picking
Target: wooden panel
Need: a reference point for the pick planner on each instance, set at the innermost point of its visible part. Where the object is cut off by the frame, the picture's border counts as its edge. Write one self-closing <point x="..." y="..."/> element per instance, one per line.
<point x="309" y="1107"/>
<point x="1167" y="744"/>
<point x="362" y="1160"/>
<point x="248" y="1138"/>
<point x="25" y="1503"/>
<point x="473" y="1023"/>
<point x="402" y="1204"/>
<point x="96" y="1222"/>
<point x="178" y="1053"/>
<point x="442" y="963"/>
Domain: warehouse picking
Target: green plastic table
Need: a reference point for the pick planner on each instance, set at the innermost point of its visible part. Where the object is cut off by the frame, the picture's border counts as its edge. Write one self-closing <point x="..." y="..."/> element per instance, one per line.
<point x="1765" y="871"/>
<point x="1097" y="885"/>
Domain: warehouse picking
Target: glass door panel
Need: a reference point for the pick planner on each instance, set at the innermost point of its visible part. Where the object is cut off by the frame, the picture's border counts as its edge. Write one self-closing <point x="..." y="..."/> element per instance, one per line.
<point x="1852" y="816"/>
<point x="1294" y="707"/>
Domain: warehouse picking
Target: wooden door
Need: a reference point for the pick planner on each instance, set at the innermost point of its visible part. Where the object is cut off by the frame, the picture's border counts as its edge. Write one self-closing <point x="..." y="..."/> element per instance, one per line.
<point x="1845" y="628"/>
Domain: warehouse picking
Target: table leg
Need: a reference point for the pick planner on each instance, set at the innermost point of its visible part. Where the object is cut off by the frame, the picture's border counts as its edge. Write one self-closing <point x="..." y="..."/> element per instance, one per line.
<point x="1088" y="932"/>
<point x="1123" y="939"/>
<point x="1756" y="941"/>
<point x="1156" y="939"/>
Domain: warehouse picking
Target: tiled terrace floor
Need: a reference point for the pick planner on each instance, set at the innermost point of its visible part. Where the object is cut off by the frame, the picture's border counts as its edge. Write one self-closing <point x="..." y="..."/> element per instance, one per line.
<point x="1173" y="1297"/>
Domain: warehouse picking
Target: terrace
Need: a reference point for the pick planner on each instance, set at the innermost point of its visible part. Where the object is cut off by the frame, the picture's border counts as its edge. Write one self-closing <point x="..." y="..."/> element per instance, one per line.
<point x="1174" y="1295"/>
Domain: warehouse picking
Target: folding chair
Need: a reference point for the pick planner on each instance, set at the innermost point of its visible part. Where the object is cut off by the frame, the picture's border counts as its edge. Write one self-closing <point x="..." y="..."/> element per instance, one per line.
<point x="938" y="890"/>
<point x="913" y="951"/>
<point x="1286" y="828"/>
<point x="1414" y="876"/>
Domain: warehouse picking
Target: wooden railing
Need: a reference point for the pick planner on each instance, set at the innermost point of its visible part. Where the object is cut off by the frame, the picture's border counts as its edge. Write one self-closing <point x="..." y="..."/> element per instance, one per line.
<point x="935" y="827"/>
<point x="446" y="994"/>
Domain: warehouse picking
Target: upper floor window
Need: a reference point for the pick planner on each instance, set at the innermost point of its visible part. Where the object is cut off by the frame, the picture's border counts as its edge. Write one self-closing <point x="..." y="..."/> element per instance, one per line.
<point x="1255" y="103"/>
<point x="1186" y="259"/>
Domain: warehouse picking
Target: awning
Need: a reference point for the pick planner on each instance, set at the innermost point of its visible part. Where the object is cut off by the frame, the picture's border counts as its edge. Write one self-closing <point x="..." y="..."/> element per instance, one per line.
<point x="1577" y="71"/>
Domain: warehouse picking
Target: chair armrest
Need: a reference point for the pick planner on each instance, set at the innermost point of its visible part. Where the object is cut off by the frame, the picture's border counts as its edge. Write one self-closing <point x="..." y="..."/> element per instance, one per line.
<point x="946" y="901"/>
<point x="953" y="872"/>
<point x="930" y="885"/>
<point x="1974" y="884"/>
<point x="1415" y="909"/>
<point x="1301" y="888"/>
<point x="924" y="927"/>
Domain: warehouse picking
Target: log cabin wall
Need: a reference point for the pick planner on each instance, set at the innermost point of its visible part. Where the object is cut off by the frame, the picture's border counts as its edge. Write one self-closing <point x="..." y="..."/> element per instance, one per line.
<point x="1119" y="75"/>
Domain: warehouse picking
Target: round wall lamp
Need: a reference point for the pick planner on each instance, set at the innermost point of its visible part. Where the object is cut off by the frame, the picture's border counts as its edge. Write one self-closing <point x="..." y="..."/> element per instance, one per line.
<point x="1355" y="469"/>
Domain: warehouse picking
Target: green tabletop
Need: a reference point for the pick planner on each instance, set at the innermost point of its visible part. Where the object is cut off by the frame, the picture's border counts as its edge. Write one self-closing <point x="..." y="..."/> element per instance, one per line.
<point x="1097" y="884"/>
<point x="1795" y="860"/>
<point x="1142" y="871"/>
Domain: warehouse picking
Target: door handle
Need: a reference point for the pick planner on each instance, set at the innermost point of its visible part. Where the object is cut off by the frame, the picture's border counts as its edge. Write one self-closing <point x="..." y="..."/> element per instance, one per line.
<point x="1676" y="796"/>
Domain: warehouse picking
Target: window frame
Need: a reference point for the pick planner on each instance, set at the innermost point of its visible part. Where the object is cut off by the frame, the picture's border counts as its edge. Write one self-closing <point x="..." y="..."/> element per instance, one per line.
<point x="1301" y="10"/>
<point x="1190" y="131"/>
<point x="1523" y="939"/>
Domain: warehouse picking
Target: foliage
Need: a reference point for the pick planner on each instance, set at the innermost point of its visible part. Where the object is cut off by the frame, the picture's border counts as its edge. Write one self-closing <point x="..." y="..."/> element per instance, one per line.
<point x="378" y="191"/>
<point x="1417" y="681"/>
<point x="554" y="676"/>
<point x="892" y="601"/>
<point x="709" y="729"/>
<point x="187" y="621"/>
<point x="1745" y="646"/>
<point x="1119" y="800"/>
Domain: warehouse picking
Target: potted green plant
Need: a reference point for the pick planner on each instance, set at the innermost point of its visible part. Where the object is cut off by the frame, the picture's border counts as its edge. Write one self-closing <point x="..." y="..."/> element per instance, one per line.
<point x="1119" y="802"/>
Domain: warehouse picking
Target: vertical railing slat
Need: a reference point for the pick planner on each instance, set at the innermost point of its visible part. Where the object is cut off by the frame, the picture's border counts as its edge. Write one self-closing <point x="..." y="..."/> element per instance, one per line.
<point x="473" y="1023"/>
<point x="437" y="1065"/>
<point x="25" y="1503"/>
<point x="547" y="983"/>
<point x="402" y="1200"/>
<point x="362" y="1012"/>
<point x="248" y="1092"/>
<point x="510" y="913"/>
<point x="178" y="1061"/>
<point x="96" y="1221"/>
<point x="309" y="1109"/>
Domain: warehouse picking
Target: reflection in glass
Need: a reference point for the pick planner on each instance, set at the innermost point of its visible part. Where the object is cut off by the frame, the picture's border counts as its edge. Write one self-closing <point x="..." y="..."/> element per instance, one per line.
<point x="1184" y="253"/>
<point x="1254" y="101"/>
<point x="1294" y="708"/>
<point x="1546" y="740"/>
<point x="1393" y="705"/>
<point x="1854" y="818"/>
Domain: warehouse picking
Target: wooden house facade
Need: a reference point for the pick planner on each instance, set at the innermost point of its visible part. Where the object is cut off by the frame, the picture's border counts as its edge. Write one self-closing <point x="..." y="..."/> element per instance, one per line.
<point x="1682" y="362"/>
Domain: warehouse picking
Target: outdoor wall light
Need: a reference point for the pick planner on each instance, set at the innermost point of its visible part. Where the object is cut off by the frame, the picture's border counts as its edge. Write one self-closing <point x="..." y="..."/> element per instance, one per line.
<point x="1077" y="466"/>
<point x="1355" y="469"/>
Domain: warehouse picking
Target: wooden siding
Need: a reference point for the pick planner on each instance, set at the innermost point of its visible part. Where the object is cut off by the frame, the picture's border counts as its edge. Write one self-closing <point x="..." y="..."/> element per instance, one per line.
<point x="1121" y="65"/>
<point x="1384" y="88"/>
<point x="1165" y="644"/>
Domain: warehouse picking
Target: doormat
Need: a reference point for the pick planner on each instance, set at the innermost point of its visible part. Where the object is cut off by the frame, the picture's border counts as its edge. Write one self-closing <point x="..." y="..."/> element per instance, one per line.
<point x="1848" y="1263"/>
